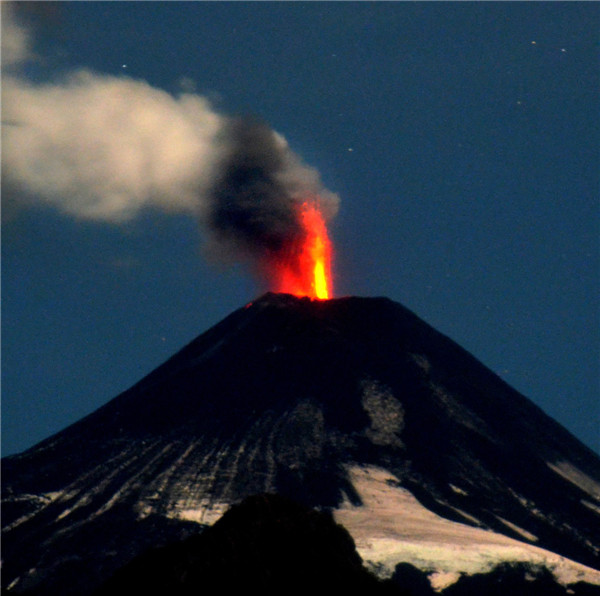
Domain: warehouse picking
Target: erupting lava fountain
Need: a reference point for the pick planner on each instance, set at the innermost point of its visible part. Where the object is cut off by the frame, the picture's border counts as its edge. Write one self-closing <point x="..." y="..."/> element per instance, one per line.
<point x="306" y="270"/>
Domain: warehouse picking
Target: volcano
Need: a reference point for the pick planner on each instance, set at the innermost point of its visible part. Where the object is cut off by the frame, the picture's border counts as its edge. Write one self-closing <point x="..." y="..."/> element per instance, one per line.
<point x="353" y="406"/>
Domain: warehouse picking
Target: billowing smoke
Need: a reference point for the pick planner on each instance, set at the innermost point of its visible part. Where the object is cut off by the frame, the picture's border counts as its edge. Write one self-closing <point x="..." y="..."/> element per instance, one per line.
<point x="100" y="147"/>
<point x="253" y="204"/>
<point x="106" y="148"/>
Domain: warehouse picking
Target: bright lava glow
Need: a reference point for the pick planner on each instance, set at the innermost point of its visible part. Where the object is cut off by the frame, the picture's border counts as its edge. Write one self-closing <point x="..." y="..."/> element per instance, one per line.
<point x="319" y="249"/>
<point x="308" y="272"/>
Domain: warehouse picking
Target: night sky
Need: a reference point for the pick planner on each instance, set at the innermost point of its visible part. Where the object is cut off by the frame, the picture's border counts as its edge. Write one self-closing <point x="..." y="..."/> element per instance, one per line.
<point x="461" y="138"/>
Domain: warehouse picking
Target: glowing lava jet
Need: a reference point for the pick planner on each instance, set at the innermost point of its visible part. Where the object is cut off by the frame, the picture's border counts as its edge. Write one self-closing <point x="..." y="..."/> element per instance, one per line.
<point x="306" y="271"/>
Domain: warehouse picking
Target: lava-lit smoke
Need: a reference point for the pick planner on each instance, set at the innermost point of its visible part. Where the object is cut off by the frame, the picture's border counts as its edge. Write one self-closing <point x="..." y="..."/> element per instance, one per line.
<point x="265" y="203"/>
<point x="107" y="148"/>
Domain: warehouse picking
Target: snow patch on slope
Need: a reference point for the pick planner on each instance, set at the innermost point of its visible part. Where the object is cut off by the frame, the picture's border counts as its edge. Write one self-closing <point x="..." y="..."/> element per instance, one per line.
<point x="576" y="477"/>
<point x="591" y="506"/>
<point x="385" y="412"/>
<point x="204" y="513"/>
<point x="393" y="527"/>
<point x="527" y="535"/>
<point x="35" y="502"/>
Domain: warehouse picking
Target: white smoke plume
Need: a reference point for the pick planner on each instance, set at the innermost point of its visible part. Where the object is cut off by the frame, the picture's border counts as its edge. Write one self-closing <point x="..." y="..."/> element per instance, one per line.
<point x="103" y="147"/>
<point x="16" y="41"/>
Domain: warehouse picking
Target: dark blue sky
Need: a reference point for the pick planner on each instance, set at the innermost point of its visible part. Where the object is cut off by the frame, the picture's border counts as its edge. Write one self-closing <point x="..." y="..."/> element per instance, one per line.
<point x="462" y="139"/>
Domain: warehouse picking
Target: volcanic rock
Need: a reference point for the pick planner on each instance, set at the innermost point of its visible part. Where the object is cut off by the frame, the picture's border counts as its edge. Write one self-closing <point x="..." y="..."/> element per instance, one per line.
<point x="352" y="405"/>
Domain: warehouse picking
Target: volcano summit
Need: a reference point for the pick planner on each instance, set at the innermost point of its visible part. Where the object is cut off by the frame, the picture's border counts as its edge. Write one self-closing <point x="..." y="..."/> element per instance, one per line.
<point x="352" y="405"/>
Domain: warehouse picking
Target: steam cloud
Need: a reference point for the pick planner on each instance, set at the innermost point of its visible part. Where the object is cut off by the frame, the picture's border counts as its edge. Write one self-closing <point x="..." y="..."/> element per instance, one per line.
<point x="105" y="148"/>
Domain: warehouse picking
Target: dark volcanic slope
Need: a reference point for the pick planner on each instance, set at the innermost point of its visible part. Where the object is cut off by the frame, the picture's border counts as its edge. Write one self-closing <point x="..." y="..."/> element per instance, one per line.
<point x="266" y="544"/>
<point x="278" y="397"/>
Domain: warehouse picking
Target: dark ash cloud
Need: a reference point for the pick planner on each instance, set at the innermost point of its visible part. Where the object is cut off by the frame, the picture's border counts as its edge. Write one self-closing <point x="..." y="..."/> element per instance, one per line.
<point x="253" y="205"/>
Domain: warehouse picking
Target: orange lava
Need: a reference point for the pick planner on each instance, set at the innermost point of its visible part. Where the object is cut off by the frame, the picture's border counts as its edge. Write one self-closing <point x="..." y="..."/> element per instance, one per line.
<point x="308" y="271"/>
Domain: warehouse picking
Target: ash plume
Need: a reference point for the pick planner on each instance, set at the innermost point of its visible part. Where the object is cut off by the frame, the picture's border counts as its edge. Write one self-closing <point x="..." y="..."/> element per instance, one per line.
<point x="106" y="148"/>
<point x="253" y="204"/>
